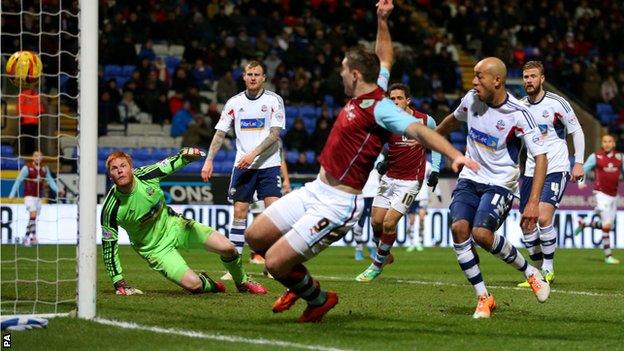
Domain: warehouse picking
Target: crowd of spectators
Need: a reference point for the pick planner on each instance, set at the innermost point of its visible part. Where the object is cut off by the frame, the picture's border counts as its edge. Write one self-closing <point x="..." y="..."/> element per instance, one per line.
<point x="579" y="41"/>
<point x="301" y="47"/>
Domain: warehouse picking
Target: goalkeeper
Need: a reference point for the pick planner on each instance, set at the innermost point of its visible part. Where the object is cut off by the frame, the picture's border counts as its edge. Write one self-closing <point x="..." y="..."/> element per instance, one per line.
<point x="137" y="203"/>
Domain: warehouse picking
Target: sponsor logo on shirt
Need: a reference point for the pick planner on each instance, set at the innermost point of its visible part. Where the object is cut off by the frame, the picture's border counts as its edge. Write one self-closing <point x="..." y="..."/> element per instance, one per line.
<point x="252" y="124"/>
<point x="543" y="128"/>
<point x="150" y="191"/>
<point x="483" y="139"/>
<point x="366" y="103"/>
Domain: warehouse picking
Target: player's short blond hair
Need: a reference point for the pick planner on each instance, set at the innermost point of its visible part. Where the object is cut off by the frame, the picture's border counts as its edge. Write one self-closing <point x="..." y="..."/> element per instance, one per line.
<point x="254" y="64"/>
<point x="115" y="155"/>
<point x="534" y="64"/>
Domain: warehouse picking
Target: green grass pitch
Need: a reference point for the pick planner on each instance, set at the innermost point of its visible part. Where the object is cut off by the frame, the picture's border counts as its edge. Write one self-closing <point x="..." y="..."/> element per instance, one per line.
<point x="422" y="301"/>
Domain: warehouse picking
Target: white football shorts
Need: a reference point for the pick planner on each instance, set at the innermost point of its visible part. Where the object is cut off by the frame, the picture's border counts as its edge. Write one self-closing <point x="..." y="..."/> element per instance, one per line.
<point x="396" y="193"/>
<point x="606" y="207"/>
<point x="315" y="216"/>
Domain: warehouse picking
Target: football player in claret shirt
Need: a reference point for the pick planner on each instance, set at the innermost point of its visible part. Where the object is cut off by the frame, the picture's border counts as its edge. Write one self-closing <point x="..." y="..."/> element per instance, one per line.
<point x="555" y="119"/>
<point x="498" y="124"/>
<point x="609" y="166"/>
<point x="300" y="225"/>
<point x="33" y="175"/>
<point x="137" y="204"/>
<point x="399" y="186"/>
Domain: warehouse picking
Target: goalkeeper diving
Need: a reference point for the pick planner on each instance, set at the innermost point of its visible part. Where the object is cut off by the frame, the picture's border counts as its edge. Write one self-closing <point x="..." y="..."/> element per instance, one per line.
<point x="137" y="203"/>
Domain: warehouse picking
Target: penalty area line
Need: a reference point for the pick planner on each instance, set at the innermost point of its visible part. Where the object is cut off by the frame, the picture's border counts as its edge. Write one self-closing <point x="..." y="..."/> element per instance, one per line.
<point x="217" y="337"/>
<point x="434" y="283"/>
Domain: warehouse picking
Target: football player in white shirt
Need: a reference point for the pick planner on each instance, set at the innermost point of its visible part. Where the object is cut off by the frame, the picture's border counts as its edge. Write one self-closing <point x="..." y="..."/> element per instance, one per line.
<point x="555" y="119"/>
<point x="258" y="117"/>
<point x="481" y="201"/>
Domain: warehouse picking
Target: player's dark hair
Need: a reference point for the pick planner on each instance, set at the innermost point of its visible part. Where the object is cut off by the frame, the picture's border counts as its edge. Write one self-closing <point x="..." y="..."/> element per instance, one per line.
<point x="399" y="86"/>
<point x="534" y="64"/>
<point x="366" y="62"/>
<point x="253" y="64"/>
<point x="115" y="155"/>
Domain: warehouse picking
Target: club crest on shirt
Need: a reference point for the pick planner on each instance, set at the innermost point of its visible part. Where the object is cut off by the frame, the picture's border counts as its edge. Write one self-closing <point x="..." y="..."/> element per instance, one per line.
<point x="349" y="111"/>
<point x="500" y="125"/>
<point x="150" y="191"/>
<point x="545" y="114"/>
<point x="264" y="108"/>
<point x="366" y="103"/>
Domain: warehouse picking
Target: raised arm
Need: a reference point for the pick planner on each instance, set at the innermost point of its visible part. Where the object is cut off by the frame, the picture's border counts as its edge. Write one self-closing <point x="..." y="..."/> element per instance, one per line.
<point x="18" y="181"/>
<point x="169" y="165"/>
<point x="383" y="44"/>
<point x="51" y="182"/>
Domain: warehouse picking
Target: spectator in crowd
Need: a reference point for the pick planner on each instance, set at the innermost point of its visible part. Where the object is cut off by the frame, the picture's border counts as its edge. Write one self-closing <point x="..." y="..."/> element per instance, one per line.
<point x="160" y="110"/>
<point x="181" y="120"/>
<point x="198" y="134"/>
<point x="320" y="135"/>
<point x="202" y="75"/>
<point x="302" y="165"/>
<point x="297" y="137"/>
<point x="107" y="112"/>
<point x="608" y="89"/>
<point x="226" y="87"/>
<point x="129" y="111"/>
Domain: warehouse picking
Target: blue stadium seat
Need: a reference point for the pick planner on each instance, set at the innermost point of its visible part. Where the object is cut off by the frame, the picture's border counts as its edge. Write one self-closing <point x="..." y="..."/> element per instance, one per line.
<point x="307" y="111"/>
<point x="607" y="118"/>
<point x="142" y="154"/>
<point x="310" y="124"/>
<point x="604" y="108"/>
<point x="121" y="80"/>
<point x="329" y="100"/>
<point x="292" y="112"/>
<point x="127" y="70"/>
<point x="292" y="156"/>
<point x="160" y="153"/>
<point x="310" y="156"/>
<point x="6" y="150"/>
<point x="231" y="156"/>
<point x="101" y="169"/>
<point x="9" y="163"/>
<point x="237" y="73"/>
<point x="172" y="62"/>
<point x="112" y="70"/>
<point x="220" y="156"/>
<point x="193" y="167"/>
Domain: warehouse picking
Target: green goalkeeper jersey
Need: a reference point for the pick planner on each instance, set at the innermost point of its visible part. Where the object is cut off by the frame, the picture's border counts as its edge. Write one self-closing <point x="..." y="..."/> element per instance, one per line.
<point x="142" y="213"/>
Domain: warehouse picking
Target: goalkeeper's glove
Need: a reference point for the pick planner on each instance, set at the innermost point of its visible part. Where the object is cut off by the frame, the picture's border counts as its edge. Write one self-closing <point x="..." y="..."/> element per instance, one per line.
<point x="433" y="180"/>
<point x="122" y="288"/>
<point x="382" y="167"/>
<point x="191" y="154"/>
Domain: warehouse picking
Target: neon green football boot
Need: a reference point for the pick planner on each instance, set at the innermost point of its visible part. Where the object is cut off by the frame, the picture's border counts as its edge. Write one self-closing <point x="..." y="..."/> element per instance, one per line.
<point x="369" y="274"/>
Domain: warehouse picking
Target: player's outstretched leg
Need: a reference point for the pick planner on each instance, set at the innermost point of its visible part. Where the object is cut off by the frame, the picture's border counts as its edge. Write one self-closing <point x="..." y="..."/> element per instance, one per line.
<point x="198" y="284"/>
<point x="233" y="263"/>
<point x="606" y="245"/>
<point x="503" y="249"/>
<point x="285" y="264"/>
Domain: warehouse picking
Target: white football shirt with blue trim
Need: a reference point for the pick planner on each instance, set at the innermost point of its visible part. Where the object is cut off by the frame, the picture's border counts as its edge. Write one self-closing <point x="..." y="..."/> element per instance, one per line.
<point x="252" y="120"/>
<point x="494" y="139"/>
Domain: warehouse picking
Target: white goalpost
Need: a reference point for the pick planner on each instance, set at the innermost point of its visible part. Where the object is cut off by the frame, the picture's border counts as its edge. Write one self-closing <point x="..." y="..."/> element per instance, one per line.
<point x="53" y="277"/>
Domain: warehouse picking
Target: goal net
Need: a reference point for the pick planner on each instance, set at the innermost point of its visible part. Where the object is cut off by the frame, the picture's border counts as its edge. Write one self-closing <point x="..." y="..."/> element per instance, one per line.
<point x="41" y="270"/>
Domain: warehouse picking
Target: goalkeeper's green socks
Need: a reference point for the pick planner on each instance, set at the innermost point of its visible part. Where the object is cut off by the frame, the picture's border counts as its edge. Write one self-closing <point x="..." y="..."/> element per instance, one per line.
<point x="234" y="265"/>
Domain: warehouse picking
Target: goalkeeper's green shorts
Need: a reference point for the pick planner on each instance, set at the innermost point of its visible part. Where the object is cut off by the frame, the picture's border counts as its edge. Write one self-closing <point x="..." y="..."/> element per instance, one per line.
<point x="184" y="233"/>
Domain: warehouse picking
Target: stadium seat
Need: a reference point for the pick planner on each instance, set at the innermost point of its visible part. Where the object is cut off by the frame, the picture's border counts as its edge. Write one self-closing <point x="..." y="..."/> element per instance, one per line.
<point x="142" y="154"/>
<point x="231" y="155"/>
<point x="160" y="49"/>
<point x="101" y="168"/>
<point x="9" y="163"/>
<point x="6" y="150"/>
<point x="310" y="156"/>
<point x="292" y="156"/>
<point x="307" y="111"/>
<point x="172" y="62"/>
<point x="329" y="100"/>
<point x="176" y="50"/>
<point x="292" y="112"/>
<point x="121" y="80"/>
<point x="237" y="73"/>
<point x="607" y="118"/>
<point x="193" y="167"/>
<point x="310" y="124"/>
<point x="112" y="70"/>
<point x="603" y="108"/>
<point x="127" y="70"/>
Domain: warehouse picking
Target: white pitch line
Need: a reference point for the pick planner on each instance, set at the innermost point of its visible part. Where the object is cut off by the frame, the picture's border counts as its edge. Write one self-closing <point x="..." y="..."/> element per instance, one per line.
<point x="217" y="337"/>
<point x="422" y="282"/>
